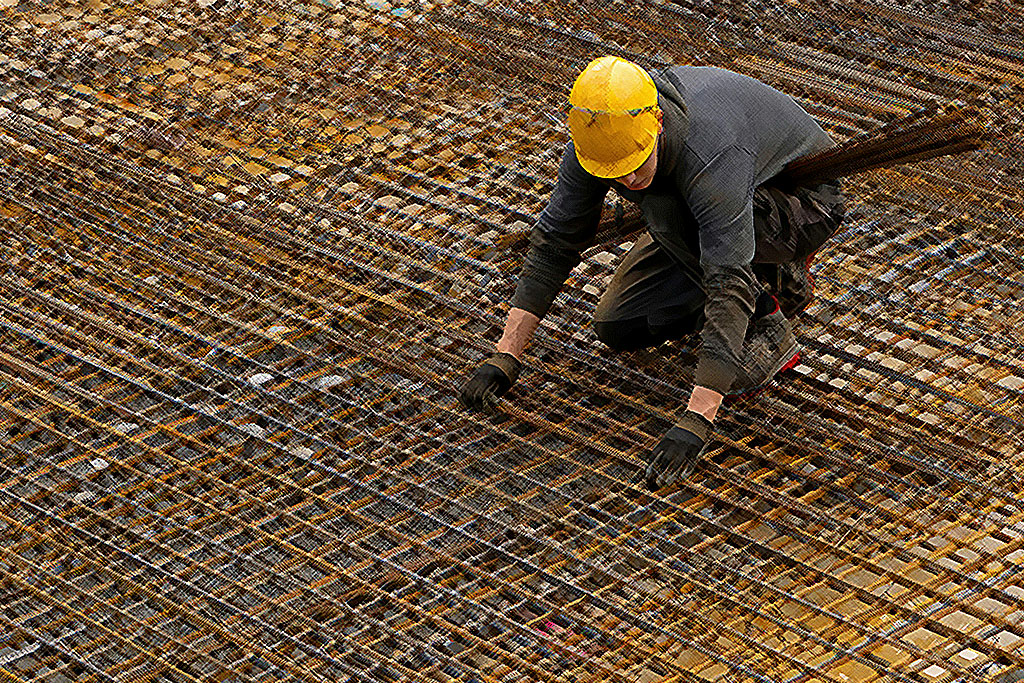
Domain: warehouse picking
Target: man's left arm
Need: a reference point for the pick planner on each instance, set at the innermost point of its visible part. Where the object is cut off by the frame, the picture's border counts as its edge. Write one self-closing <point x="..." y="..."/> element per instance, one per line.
<point x="720" y="197"/>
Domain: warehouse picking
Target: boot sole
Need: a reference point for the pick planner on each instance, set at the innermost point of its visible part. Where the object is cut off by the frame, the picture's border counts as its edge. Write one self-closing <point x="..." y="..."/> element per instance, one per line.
<point x="731" y="399"/>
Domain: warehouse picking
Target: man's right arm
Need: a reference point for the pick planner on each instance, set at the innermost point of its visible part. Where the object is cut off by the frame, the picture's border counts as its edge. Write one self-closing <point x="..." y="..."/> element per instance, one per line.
<point x="565" y="227"/>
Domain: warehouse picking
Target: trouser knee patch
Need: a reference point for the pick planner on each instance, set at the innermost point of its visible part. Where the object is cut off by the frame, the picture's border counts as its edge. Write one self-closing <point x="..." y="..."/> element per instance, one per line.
<point x="624" y="335"/>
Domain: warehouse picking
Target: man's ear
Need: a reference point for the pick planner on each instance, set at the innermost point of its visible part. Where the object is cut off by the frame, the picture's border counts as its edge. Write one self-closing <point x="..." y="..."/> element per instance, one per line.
<point x="661" y="119"/>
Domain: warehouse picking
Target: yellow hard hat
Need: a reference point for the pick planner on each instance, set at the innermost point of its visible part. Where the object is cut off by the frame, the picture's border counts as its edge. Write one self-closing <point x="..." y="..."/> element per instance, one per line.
<point x="613" y="117"/>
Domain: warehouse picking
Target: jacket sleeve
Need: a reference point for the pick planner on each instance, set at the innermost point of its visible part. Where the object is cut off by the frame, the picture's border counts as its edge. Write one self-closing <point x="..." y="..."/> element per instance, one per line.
<point x="565" y="227"/>
<point x="720" y="196"/>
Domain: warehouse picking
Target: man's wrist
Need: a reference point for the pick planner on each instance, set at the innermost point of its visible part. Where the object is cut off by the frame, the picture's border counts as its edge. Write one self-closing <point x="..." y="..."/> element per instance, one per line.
<point x="510" y="349"/>
<point x="519" y="328"/>
<point x="705" y="402"/>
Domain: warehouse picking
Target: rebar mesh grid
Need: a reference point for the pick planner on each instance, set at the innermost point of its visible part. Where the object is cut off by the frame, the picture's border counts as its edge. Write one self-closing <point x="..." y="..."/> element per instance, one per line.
<point x="248" y="261"/>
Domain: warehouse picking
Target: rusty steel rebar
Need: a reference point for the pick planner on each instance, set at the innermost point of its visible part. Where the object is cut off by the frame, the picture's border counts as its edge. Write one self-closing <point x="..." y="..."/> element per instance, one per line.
<point x="249" y="257"/>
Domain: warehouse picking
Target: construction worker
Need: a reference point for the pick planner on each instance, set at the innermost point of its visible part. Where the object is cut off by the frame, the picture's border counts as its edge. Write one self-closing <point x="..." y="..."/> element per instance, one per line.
<point x="726" y="253"/>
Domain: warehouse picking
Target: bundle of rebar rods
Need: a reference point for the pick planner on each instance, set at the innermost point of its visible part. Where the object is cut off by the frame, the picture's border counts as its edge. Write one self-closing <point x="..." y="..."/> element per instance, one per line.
<point x="926" y="134"/>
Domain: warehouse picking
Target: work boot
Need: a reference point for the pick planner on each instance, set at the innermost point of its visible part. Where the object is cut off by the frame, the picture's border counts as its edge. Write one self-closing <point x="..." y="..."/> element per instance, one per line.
<point x="770" y="348"/>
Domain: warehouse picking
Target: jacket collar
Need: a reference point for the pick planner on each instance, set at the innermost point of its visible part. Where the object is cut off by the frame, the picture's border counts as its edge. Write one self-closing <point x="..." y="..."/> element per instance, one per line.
<point x="675" y="122"/>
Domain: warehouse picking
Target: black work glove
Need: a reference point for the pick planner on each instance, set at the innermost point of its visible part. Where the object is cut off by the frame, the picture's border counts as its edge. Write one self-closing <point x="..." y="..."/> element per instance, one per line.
<point x="492" y="379"/>
<point x="676" y="455"/>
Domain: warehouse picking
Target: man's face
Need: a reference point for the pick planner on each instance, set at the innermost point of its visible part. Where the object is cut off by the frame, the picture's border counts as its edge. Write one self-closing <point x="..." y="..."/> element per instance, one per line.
<point x="642" y="177"/>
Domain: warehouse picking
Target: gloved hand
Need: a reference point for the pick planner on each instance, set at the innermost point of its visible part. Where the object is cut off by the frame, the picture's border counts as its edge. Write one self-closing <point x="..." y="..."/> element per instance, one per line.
<point x="492" y="379"/>
<point x="677" y="453"/>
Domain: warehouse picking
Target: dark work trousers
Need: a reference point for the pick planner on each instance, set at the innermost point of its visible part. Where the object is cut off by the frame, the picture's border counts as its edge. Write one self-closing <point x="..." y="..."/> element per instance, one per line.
<point x="656" y="293"/>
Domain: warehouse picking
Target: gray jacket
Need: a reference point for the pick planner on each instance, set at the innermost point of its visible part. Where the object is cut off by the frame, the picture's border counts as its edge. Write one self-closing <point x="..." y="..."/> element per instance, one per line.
<point x="724" y="134"/>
